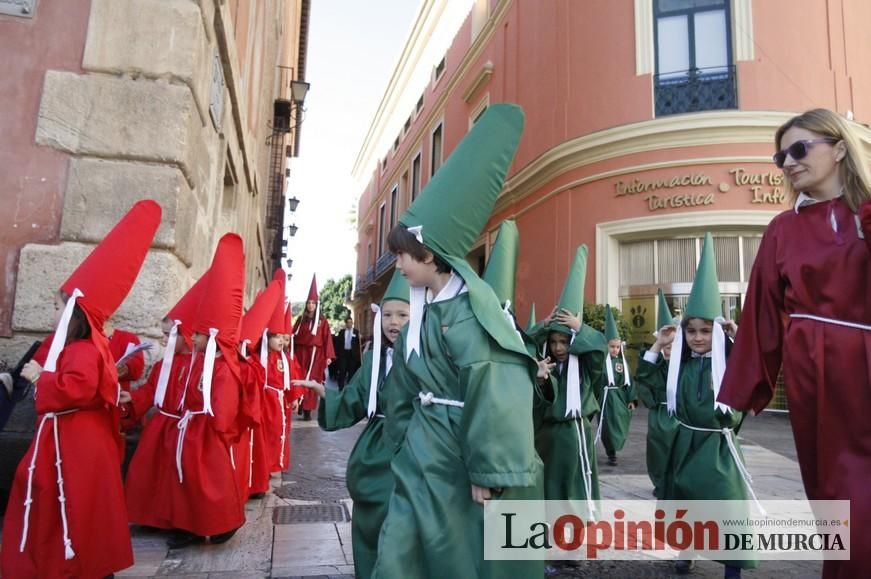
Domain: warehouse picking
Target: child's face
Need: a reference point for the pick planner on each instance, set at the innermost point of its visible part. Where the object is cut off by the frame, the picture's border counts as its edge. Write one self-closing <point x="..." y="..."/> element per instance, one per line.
<point x="698" y="334"/>
<point x="558" y="346"/>
<point x="275" y="342"/>
<point x="418" y="273"/>
<point x="199" y="342"/>
<point x="394" y="315"/>
<point x="614" y="347"/>
<point x="165" y="329"/>
<point x="59" y="304"/>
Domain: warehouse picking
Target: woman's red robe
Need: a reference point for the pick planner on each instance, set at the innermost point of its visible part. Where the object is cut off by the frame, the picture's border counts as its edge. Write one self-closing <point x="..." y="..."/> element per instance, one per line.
<point x="313" y="353"/>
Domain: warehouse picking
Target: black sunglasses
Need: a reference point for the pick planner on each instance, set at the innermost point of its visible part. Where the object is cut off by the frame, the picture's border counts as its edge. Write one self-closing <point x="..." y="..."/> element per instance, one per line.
<point x="798" y="150"/>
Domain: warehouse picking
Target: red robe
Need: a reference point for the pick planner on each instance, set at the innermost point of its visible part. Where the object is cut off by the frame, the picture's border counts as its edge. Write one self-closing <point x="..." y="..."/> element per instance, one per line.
<point x="135" y="366"/>
<point x="252" y="436"/>
<point x="95" y="511"/>
<point x="804" y="266"/>
<point x="312" y="352"/>
<point x="277" y="405"/>
<point x="153" y="467"/>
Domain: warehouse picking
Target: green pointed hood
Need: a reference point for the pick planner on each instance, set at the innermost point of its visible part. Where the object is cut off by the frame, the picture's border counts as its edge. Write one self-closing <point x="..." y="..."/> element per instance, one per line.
<point x="572" y="297"/>
<point x="456" y="204"/>
<point x="530" y="323"/>
<point x="704" y="300"/>
<point x="501" y="269"/>
<point x="397" y="289"/>
<point x="663" y="314"/>
<point x="611" y="332"/>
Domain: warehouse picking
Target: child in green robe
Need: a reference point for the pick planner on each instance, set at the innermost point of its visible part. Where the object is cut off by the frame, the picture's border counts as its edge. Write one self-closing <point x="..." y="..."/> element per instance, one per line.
<point x="460" y="375"/>
<point x="369" y="479"/>
<point x="616" y="394"/>
<point x="702" y="464"/>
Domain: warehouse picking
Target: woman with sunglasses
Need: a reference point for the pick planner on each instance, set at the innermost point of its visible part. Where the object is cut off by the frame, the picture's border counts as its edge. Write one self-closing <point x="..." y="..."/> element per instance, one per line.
<point x="808" y="309"/>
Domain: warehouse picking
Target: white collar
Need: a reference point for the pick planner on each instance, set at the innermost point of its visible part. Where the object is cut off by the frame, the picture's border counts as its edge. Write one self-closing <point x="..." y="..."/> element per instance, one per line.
<point x="453" y="288"/>
<point x="803" y="200"/>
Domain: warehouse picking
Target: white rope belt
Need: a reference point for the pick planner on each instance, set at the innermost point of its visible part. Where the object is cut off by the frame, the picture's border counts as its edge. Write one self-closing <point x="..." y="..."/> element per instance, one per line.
<point x="62" y="499"/>
<point x="280" y="393"/>
<point x="729" y="435"/>
<point x="250" y="457"/>
<point x="179" y="444"/>
<point x="586" y="467"/>
<point x="833" y="321"/>
<point x="378" y="416"/>
<point x="428" y="399"/>
<point x="602" y="413"/>
<point x="170" y="415"/>
<point x="232" y="458"/>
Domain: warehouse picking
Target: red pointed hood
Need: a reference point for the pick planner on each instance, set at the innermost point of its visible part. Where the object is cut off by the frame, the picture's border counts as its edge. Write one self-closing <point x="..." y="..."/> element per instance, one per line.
<point x="103" y="280"/>
<point x="258" y="317"/>
<point x="220" y="306"/>
<point x="186" y="308"/>
<point x="313" y="290"/>
<point x="277" y="323"/>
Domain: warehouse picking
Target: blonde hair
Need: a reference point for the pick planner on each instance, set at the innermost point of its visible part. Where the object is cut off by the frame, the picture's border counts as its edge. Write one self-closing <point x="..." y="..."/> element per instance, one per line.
<point x="853" y="168"/>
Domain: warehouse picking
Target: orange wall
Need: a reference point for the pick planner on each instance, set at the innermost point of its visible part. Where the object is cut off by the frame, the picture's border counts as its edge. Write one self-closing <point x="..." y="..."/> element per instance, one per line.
<point x="32" y="178"/>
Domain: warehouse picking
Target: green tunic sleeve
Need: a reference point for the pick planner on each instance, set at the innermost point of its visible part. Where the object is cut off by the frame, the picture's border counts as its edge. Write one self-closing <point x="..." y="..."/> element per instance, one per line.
<point x="496" y="427"/>
<point x="591" y="348"/>
<point x="650" y="380"/>
<point x="343" y="409"/>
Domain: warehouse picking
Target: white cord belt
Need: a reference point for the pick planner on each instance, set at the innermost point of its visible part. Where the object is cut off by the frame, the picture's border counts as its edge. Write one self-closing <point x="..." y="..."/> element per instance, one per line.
<point x="378" y="416"/>
<point x="280" y="393"/>
<point x="170" y="415"/>
<point x="729" y="435"/>
<point x="427" y="399"/>
<point x="179" y="445"/>
<point x="586" y="466"/>
<point x="832" y="321"/>
<point x="602" y="413"/>
<point x="62" y="499"/>
<point x="250" y="457"/>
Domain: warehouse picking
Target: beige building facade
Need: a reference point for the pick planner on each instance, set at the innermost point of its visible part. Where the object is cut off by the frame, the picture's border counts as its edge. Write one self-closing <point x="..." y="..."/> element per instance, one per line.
<point x="186" y="102"/>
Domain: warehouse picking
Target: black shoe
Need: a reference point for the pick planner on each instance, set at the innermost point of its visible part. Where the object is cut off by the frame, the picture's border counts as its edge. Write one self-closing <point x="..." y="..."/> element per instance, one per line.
<point x="612" y="460"/>
<point x="307" y="415"/>
<point x="222" y="538"/>
<point x="732" y="572"/>
<point x="683" y="567"/>
<point x="182" y="539"/>
<point x="257" y="496"/>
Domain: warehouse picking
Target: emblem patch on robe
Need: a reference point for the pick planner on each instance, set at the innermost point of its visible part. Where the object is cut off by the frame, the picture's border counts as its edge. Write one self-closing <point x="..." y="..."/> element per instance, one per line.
<point x="618" y="367"/>
<point x="280" y="365"/>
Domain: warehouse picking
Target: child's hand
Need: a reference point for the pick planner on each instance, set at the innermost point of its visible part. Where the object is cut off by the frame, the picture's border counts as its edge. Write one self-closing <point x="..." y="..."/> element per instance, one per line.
<point x="730" y="328"/>
<point x="294" y="405"/>
<point x="31" y="371"/>
<point x="567" y="318"/>
<point x="124" y="397"/>
<point x="122" y="370"/>
<point x="481" y="494"/>
<point x="666" y="335"/>
<point x="316" y="386"/>
<point x="544" y="368"/>
<point x="633" y="405"/>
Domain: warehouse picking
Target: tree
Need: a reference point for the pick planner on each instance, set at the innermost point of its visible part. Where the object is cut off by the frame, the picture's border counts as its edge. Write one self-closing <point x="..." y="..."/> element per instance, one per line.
<point x="333" y="296"/>
<point x="594" y="316"/>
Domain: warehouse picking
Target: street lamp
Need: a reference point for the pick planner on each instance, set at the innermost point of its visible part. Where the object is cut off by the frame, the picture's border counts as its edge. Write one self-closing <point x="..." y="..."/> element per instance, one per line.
<point x="291" y="230"/>
<point x="298" y="90"/>
<point x="292" y="204"/>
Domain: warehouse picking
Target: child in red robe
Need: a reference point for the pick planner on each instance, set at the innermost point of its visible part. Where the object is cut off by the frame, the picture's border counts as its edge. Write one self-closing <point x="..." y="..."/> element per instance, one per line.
<point x="313" y="347"/>
<point x="66" y="515"/>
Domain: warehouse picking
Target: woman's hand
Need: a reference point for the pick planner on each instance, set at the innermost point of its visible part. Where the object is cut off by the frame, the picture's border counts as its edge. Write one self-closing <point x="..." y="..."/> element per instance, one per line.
<point x="31" y="371"/>
<point x="567" y="318"/>
<point x="316" y="386"/>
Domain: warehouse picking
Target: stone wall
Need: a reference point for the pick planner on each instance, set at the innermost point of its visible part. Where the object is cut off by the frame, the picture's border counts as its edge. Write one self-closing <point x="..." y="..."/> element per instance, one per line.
<point x="137" y="124"/>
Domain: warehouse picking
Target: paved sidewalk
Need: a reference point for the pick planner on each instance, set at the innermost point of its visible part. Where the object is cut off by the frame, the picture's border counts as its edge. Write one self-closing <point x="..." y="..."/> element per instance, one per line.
<point x="316" y="479"/>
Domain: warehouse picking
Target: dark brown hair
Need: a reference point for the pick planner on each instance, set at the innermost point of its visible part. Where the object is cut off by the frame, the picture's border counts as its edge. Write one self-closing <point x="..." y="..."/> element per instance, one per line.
<point x="400" y="240"/>
<point x="79" y="328"/>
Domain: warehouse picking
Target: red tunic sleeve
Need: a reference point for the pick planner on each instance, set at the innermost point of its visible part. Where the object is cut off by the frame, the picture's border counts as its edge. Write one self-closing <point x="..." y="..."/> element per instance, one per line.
<point x="74" y="384"/>
<point x="327" y="337"/>
<point x="136" y="364"/>
<point x="143" y="397"/>
<point x="226" y="402"/>
<point x="754" y="363"/>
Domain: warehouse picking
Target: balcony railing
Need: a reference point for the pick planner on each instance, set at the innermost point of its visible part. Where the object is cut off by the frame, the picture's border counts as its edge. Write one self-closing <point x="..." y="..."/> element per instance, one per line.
<point x="384" y="262"/>
<point x="697" y="89"/>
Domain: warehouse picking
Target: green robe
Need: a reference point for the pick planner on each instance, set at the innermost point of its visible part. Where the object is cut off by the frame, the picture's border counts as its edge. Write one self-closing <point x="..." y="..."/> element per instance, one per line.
<point x="434" y="529"/>
<point x="661" y="428"/>
<point x="557" y="438"/>
<point x="700" y="466"/>
<point x="369" y="479"/>
<point x="614" y="408"/>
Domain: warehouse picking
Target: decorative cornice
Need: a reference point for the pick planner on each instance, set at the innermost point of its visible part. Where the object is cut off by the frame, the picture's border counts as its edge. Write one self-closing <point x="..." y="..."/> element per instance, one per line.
<point x="480" y="80"/>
